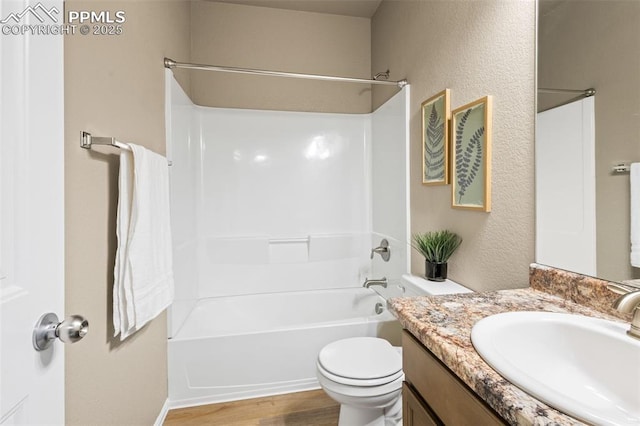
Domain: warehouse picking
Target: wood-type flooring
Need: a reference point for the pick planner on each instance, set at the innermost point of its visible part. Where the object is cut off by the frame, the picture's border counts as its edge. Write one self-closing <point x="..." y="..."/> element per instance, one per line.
<point x="312" y="408"/>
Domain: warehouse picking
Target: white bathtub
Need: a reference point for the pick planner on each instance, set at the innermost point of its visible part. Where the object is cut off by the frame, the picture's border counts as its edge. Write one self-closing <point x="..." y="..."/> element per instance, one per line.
<point x="241" y="347"/>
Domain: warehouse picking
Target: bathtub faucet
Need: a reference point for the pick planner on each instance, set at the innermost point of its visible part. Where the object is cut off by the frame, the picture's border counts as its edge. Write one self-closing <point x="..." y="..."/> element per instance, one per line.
<point x="368" y="283"/>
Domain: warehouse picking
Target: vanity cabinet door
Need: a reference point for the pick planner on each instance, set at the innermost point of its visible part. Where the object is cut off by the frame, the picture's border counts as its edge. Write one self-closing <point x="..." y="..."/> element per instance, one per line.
<point x="414" y="412"/>
<point x="450" y="399"/>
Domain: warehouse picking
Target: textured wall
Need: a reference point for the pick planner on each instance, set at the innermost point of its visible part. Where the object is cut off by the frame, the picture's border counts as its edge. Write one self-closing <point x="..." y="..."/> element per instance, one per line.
<point x="475" y="48"/>
<point x="595" y="44"/>
<point x="114" y="86"/>
<point x="280" y="40"/>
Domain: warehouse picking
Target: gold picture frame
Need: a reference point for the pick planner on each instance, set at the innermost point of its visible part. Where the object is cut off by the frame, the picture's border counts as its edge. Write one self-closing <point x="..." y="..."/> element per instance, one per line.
<point x="471" y="155"/>
<point x="436" y="115"/>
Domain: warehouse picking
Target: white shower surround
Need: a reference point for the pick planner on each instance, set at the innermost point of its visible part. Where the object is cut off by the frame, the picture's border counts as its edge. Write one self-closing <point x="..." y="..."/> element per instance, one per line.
<point x="281" y="203"/>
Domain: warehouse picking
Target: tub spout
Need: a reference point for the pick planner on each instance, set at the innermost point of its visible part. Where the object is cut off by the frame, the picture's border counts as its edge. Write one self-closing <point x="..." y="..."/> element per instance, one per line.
<point x="368" y="283"/>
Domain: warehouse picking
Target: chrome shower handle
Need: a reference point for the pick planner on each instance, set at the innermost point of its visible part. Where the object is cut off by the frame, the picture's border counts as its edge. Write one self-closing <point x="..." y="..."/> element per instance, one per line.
<point x="383" y="250"/>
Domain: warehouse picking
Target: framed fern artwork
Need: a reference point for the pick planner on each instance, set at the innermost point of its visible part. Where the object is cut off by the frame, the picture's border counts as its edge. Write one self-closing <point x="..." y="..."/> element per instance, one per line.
<point x="435" y="139"/>
<point x="471" y="156"/>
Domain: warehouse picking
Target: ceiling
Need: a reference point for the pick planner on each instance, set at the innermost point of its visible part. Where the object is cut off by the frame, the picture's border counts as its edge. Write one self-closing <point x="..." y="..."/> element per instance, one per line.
<point x="361" y="8"/>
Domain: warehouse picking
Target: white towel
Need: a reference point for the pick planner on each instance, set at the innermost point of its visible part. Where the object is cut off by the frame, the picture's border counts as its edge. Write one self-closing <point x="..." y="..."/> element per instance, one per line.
<point x="143" y="273"/>
<point x="635" y="215"/>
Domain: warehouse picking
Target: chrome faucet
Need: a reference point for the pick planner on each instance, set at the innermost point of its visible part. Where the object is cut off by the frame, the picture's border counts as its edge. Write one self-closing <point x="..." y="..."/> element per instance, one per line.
<point x="628" y="302"/>
<point x="368" y="283"/>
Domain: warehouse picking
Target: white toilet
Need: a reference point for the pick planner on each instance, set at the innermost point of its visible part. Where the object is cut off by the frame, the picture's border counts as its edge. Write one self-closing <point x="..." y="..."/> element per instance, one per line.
<point x="363" y="374"/>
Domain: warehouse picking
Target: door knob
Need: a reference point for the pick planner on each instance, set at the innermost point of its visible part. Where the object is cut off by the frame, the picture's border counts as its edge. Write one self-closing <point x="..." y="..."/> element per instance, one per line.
<point x="48" y="328"/>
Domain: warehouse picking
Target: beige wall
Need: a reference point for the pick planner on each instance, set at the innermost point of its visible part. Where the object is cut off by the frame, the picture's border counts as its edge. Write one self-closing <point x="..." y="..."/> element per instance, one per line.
<point x="596" y="44"/>
<point x="475" y="48"/>
<point x="114" y="86"/>
<point x="280" y="40"/>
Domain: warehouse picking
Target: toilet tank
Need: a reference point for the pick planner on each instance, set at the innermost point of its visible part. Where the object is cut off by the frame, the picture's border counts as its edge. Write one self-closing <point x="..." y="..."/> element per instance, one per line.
<point x="418" y="286"/>
<point x="411" y="286"/>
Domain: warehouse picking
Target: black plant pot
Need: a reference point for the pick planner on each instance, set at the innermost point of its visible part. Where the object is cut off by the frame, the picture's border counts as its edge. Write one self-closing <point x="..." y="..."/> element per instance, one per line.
<point x="435" y="271"/>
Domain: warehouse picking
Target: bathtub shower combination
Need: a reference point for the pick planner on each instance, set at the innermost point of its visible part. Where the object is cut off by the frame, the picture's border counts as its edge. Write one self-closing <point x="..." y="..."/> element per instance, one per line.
<point x="274" y="216"/>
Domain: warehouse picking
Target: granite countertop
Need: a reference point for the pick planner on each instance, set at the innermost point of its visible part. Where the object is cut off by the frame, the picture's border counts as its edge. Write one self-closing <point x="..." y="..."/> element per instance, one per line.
<point x="443" y="324"/>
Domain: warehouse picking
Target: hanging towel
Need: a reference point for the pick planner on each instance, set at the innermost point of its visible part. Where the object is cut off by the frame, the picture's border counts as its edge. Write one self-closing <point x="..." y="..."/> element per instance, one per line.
<point x="635" y="215"/>
<point x="143" y="273"/>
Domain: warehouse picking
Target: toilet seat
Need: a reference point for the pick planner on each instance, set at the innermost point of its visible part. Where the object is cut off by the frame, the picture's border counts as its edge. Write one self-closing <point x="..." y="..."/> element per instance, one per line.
<point x="360" y="361"/>
<point x="378" y="381"/>
<point x="366" y="392"/>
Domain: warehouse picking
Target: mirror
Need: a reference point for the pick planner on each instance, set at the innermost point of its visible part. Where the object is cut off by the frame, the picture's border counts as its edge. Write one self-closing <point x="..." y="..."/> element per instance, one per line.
<point x="581" y="45"/>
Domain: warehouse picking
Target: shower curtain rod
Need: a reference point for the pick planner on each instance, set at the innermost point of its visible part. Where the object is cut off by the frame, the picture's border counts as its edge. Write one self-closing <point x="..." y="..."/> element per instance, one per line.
<point x="170" y="63"/>
<point x="586" y="92"/>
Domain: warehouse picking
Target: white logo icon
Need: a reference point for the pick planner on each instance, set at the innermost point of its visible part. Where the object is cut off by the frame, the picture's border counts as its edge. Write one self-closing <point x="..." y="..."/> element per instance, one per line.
<point x="34" y="11"/>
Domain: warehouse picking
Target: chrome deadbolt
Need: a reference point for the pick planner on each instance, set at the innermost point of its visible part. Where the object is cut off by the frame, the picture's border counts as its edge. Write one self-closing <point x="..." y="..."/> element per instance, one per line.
<point x="49" y="328"/>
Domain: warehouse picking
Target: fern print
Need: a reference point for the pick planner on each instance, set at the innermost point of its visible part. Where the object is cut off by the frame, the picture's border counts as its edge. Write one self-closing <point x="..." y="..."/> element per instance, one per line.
<point x="468" y="156"/>
<point x="434" y="149"/>
<point x="459" y="132"/>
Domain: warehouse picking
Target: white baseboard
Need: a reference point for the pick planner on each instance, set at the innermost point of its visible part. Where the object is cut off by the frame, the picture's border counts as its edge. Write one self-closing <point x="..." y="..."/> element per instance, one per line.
<point x="163" y="413"/>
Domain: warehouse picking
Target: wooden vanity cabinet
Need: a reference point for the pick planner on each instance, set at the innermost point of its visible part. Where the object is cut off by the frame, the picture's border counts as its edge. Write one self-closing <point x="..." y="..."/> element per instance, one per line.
<point x="433" y="395"/>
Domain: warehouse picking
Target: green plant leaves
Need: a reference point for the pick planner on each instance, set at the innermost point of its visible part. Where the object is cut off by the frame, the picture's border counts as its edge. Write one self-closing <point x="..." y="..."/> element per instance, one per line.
<point x="437" y="246"/>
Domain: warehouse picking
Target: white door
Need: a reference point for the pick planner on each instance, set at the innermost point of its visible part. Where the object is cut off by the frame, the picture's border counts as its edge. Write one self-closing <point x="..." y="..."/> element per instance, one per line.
<point x="31" y="213"/>
<point x="566" y="187"/>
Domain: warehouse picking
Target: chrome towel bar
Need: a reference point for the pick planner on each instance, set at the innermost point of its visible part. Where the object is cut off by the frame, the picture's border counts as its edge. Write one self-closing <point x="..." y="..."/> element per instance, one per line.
<point x="621" y="168"/>
<point x="87" y="141"/>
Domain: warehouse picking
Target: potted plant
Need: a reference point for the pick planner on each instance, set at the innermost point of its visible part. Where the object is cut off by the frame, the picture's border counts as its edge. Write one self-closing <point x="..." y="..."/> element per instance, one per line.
<point x="436" y="247"/>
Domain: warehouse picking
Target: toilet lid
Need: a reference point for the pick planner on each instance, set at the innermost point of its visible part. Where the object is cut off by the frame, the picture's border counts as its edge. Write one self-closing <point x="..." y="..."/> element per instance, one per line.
<point x="361" y="358"/>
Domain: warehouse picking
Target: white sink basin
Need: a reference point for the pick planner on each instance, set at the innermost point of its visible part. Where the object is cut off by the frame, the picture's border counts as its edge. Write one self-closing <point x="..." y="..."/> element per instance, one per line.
<point x="586" y="367"/>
